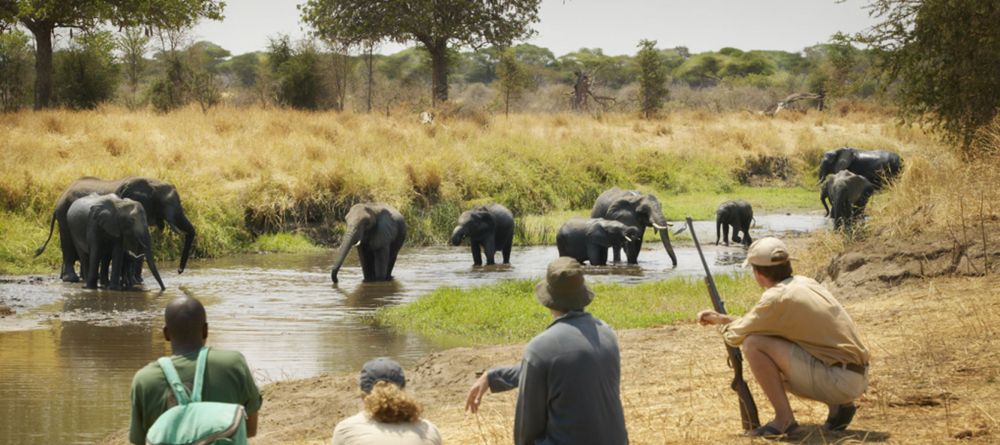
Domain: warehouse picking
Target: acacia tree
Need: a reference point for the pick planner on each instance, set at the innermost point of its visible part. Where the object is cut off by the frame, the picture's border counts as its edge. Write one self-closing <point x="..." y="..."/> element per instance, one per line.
<point x="43" y="17"/>
<point x="652" y="78"/>
<point x="436" y="24"/>
<point x="945" y="56"/>
<point x="512" y="77"/>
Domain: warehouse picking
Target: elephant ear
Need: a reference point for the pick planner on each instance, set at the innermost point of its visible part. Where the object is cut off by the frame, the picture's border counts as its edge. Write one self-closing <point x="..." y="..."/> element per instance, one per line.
<point x="624" y="204"/>
<point x="105" y="218"/>
<point x="598" y="233"/>
<point x="484" y="218"/>
<point x="845" y="156"/>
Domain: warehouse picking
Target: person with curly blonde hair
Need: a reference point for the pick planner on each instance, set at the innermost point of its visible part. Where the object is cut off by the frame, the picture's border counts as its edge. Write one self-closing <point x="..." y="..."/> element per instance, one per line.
<point x="390" y="416"/>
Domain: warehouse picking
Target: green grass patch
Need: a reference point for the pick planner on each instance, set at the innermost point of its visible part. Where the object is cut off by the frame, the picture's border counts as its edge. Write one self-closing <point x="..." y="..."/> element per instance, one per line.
<point x="507" y="312"/>
<point x="284" y="243"/>
<point x="21" y="235"/>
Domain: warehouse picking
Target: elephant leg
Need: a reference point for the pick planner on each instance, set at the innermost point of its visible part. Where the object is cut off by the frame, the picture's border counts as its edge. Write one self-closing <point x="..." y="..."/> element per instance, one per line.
<point x="737" y="228"/>
<point x="506" y="251"/>
<point x="117" y="260"/>
<point x="597" y="254"/>
<point x="632" y="250"/>
<point x="92" y="267"/>
<point x="136" y="271"/>
<point x="725" y="233"/>
<point x="104" y="269"/>
<point x="367" y="266"/>
<point x="489" y="247"/>
<point x="477" y="259"/>
<point x="393" y="254"/>
<point x="69" y="256"/>
<point x="380" y="262"/>
<point x="616" y="254"/>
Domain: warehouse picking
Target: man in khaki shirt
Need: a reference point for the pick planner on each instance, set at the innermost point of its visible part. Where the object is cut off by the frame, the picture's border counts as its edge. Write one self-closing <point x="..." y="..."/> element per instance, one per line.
<point x="797" y="338"/>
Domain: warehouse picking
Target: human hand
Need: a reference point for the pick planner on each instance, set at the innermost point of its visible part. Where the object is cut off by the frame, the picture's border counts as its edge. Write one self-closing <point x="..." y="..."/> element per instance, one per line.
<point x="708" y="317"/>
<point x="482" y="386"/>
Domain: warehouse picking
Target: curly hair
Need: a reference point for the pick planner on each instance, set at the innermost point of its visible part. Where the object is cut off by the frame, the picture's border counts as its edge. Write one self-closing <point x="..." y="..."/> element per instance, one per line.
<point x="387" y="403"/>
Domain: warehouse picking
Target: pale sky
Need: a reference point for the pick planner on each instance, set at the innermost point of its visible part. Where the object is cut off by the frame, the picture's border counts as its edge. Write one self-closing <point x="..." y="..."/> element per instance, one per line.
<point x="616" y="26"/>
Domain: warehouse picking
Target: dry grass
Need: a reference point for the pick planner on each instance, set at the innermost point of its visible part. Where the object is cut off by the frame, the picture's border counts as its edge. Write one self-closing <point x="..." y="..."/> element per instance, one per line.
<point x="242" y="172"/>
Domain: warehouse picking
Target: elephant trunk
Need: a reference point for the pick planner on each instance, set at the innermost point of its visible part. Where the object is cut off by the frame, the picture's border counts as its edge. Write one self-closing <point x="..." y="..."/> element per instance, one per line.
<point x="179" y="222"/>
<point x="457" y="235"/>
<point x="665" y="237"/>
<point x="351" y="237"/>
<point x="152" y="268"/>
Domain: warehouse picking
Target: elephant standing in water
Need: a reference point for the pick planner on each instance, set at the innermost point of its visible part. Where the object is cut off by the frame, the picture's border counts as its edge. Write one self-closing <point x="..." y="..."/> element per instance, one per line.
<point x="489" y="228"/>
<point x="106" y="231"/>
<point x="739" y="215"/>
<point x="878" y="166"/>
<point x="849" y="194"/>
<point x="589" y="239"/>
<point x="159" y="200"/>
<point x="378" y="230"/>
<point x="634" y="209"/>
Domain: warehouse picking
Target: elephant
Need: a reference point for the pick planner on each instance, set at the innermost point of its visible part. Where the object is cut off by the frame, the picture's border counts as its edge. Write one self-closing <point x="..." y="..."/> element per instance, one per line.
<point x="739" y="215"/>
<point x="848" y="194"/>
<point x="160" y="200"/>
<point x="105" y="230"/>
<point x="489" y="228"/>
<point x="589" y="239"/>
<point x="378" y="230"/>
<point x="632" y="208"/>
<point x="878" y="166"/>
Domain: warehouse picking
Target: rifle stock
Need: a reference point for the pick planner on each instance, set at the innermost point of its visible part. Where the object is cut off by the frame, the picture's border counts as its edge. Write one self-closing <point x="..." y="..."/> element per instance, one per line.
<point x="748" y="409"/>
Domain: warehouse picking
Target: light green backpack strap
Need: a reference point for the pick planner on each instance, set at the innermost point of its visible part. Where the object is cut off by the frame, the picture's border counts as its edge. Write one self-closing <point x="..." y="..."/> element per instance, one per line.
<point x="199" y="375"/>
<point x="180" y="392"/>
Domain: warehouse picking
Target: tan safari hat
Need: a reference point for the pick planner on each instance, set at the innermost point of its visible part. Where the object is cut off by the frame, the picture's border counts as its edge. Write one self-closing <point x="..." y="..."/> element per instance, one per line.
<point x="564" y="288"/>
<point x="768" y="251"/>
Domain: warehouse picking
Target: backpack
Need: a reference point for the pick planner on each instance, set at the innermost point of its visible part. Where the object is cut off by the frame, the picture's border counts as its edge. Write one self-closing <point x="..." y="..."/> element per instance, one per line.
<point x="193" y="422"/>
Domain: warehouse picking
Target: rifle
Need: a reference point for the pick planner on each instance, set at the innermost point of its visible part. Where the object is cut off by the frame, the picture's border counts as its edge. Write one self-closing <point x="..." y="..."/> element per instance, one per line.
<point x="748" y="409"/>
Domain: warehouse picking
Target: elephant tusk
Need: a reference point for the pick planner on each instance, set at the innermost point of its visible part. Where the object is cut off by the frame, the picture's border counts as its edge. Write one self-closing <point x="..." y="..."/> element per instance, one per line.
<point x="629" y="239"/>
<point x="357" y="244"/>
<point x="659" y="227"/>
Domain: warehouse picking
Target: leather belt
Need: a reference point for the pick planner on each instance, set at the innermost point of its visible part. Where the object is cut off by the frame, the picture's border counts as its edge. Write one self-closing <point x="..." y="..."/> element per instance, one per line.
<point x="853" y="367"/>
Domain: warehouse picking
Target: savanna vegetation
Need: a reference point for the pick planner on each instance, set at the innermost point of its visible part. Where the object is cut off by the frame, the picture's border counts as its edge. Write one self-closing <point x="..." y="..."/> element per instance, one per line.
<point x="252" y="172"/>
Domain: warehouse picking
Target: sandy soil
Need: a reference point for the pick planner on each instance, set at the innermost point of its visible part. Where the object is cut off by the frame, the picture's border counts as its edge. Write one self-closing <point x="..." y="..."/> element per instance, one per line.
<point x="934" y="375"/>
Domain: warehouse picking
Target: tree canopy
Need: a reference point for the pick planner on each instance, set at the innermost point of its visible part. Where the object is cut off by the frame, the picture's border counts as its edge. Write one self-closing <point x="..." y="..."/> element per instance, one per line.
<point x="435" y="24"/>
<point x="42" y="17"/>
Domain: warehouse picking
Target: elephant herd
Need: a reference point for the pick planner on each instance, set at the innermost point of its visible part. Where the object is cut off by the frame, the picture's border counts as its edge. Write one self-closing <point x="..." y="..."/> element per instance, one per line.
<point x="105" y="224"/>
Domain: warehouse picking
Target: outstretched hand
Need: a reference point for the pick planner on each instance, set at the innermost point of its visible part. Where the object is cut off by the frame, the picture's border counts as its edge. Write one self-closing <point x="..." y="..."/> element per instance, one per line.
<point x="482" y="386"/>
<point x="708" y="317"/>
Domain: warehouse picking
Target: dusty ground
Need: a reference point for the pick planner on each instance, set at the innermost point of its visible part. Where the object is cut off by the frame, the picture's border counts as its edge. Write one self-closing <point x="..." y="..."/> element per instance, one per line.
<point x="934" y="375"/>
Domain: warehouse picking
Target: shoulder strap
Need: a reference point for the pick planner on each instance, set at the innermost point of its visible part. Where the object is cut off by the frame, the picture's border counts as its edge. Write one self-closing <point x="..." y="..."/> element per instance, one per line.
<point x="180" y="392"/>
<point x="199" y="374"/>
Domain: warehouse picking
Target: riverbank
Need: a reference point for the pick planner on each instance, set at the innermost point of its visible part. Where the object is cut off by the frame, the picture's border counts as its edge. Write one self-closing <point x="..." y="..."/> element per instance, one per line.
<point x="246" y="173"/>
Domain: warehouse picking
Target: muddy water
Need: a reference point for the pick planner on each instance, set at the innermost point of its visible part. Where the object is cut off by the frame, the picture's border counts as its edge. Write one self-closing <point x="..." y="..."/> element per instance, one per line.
<point x="68" y="380"/>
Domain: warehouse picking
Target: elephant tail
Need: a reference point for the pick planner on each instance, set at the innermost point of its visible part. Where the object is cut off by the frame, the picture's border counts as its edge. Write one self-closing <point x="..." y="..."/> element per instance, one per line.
<point x="52" y="225"/>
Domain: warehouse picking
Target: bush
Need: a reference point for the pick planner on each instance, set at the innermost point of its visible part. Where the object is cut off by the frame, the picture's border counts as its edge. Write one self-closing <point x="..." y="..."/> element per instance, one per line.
<point x="86" y="74"/>
<point x="16" y="61"/>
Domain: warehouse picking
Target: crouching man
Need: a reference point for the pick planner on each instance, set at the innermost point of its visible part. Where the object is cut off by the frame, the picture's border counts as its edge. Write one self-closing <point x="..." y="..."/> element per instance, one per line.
<point x="797" y="338"/>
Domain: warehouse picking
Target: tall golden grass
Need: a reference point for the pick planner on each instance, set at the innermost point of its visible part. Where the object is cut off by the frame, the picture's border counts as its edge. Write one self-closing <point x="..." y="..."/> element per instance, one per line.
<point x="241" y="172"/>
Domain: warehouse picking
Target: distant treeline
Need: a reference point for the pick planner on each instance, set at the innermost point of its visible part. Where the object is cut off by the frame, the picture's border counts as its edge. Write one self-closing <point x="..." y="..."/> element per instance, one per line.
<point x="92" y="68"/>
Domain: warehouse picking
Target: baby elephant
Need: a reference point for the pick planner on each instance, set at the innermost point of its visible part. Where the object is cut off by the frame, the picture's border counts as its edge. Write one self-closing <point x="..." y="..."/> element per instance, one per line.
<point x="739" y="215"/>
<point x="589" y="239"/>
<point x="489" y="228"/>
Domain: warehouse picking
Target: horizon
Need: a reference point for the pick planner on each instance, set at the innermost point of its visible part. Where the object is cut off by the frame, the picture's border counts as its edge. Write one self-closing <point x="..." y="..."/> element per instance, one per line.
<point x="566" y="27"/>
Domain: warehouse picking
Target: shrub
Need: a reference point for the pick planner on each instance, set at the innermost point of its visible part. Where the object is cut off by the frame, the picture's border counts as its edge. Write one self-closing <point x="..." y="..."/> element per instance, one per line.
<point x="16" y="61"/>
<point x="86" y="74"/>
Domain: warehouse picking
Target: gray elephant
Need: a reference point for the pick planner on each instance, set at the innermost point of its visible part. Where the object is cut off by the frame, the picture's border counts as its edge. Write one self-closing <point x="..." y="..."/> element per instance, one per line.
<point x="877" y="166"/>
<point x="490" y="228"/>
<point x="378" y="230"/>
<point x="104" y="231"/>
<point x="634" y="209"/>
<point x="848" y="194"/>
<point x="589" y="239"/>
<point x="160" y="200"/>
<point x="738" y="215"/>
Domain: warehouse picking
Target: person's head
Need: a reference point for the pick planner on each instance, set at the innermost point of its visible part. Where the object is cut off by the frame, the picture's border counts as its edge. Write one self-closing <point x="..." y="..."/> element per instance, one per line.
<point x="186" y="326"/>
<point x="382" y="382"/>
<point x="770" y="261"/>
<point x="564" y="288"/>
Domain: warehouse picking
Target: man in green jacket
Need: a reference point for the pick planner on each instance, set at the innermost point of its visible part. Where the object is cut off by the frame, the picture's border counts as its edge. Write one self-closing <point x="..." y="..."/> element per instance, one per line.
<point x="227" y="377"/>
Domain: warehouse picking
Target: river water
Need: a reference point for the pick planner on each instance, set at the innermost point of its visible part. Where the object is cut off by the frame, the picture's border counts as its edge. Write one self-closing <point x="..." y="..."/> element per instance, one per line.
<point x="67" y="380"/>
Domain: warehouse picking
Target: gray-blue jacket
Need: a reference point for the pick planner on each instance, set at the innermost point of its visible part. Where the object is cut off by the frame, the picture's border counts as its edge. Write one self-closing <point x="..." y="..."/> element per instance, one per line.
<point x="569" y="381"/>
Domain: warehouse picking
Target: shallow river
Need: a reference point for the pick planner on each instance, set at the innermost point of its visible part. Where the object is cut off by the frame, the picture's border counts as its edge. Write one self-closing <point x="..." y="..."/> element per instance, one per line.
<point x="67" y="380"/>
